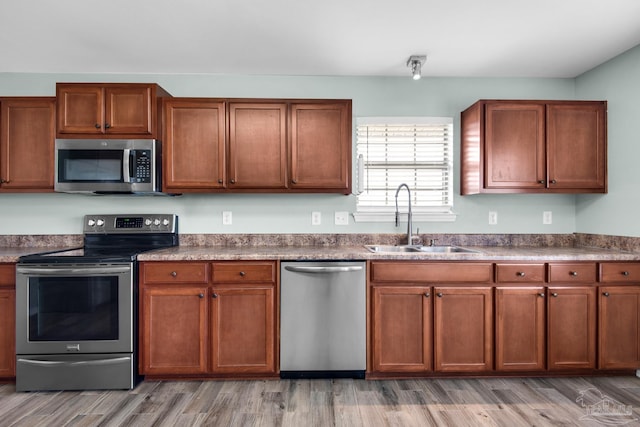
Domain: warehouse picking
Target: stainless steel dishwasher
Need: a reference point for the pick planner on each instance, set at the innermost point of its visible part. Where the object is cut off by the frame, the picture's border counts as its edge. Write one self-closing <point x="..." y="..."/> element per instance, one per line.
<point x="323" y="319"/>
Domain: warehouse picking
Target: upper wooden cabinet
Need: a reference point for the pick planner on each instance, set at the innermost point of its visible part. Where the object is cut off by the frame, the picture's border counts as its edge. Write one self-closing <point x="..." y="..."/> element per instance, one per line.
<point x="27" y="135"/>
<point x="108" y="110"/>
<point x="321" y="146"/>
<point x="194" y="145"/>
<point x="257" y="145"/>
<point x="534" y="147"/>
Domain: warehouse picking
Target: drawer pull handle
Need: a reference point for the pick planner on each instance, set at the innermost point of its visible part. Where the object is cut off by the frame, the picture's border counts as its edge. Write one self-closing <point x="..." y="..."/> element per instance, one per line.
<point x="439" y="294"/>
<point x="625" y="273"/>
<point x="98" y="126"/>
<point x="174" y="274"/>
<point x="520" y="274"/>
<point x="220" y="181"/>
<point x="214" y="295"/>
<point x="554" y="294"/>
<point x="427" y="295"/>
<point x="541" y="181"/>
<point x="573" y="273"/>
<point x="107" y="126"/>
<point x="242" y="273"/>
<point x="201" y="295"/>
<point x="606" y="294"/>
<point x="541" y="294"/>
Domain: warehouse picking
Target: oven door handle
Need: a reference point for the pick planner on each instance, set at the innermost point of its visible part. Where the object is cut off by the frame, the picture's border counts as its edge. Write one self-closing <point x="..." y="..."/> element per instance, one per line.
<point x="73" y="271"/>
<point x="114" y="361"/>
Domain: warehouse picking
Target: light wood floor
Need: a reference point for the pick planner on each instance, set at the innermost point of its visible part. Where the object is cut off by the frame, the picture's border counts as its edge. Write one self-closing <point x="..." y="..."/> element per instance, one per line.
<point x="441" y="402"/>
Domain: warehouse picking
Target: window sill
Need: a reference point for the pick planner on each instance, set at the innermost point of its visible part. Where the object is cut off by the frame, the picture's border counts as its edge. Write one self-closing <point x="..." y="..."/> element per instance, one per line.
<point x="416" y="216"/>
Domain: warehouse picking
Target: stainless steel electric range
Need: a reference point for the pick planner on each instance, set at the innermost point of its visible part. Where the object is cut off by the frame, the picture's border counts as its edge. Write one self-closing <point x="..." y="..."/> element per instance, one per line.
<point x="76" y="310"/>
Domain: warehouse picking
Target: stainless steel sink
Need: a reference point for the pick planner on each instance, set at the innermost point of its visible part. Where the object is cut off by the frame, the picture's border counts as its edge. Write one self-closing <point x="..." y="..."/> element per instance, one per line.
<point x="391" y="249"/>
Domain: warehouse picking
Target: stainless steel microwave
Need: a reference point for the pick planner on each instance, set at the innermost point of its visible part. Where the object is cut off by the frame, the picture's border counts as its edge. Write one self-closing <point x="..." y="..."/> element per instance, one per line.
<point x="108" y="166"/>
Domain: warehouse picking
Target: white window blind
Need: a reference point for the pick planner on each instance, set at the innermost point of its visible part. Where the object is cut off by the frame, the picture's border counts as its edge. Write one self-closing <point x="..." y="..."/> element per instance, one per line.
<point x="417" y="151"/>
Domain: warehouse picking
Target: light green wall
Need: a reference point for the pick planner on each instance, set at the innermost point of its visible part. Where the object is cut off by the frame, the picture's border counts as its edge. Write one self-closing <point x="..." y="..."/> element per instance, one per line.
<point x="618" y="212"/>
<point x="61" y="213"/>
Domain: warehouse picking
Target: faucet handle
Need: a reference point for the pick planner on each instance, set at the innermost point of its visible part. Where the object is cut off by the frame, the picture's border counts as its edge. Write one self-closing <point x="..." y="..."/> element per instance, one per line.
<point x="432" y="242"/>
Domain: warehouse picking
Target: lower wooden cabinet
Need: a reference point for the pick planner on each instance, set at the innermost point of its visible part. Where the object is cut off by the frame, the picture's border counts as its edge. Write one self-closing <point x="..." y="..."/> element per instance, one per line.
<point x="619" y="327"/>
<point x="208" y="328"/>
<point x="243" y="329"/>
<point x="7" y="321"/>
<point x="571" y="328"/>
<point x="463" y="329"/>
<point x="520" y="322"/>
<point x="402" y="329"/>
<point x="174" y="325"/>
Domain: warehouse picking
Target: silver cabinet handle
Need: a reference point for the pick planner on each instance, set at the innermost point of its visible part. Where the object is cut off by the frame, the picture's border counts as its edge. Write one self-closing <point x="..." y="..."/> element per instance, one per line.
<point x="323" y="270"/>
<point x="541" y="294"/>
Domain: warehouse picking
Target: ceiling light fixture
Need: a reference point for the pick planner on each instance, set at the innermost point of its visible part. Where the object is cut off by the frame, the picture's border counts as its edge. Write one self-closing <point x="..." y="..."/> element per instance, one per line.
<point x="415" y="63"/>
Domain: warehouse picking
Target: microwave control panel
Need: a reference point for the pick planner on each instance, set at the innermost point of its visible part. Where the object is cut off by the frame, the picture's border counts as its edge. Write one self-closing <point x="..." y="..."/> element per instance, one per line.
<point x="142" y="166"/>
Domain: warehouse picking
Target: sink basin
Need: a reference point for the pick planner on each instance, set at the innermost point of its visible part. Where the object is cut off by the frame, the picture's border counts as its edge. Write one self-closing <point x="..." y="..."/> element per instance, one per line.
<point x="392" y="248"/>
<point x="382" y="249"/>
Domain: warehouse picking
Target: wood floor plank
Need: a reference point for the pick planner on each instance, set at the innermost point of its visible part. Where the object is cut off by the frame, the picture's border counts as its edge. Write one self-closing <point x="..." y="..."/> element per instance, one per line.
<point x="508" y="402"/>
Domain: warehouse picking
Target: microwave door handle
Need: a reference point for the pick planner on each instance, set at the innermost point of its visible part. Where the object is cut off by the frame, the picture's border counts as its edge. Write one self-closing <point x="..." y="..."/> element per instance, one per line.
<point x="126" y="165"/>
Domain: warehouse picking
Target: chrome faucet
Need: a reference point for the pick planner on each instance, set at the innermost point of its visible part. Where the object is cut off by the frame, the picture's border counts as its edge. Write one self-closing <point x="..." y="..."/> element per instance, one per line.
<point x="409" y="215"/>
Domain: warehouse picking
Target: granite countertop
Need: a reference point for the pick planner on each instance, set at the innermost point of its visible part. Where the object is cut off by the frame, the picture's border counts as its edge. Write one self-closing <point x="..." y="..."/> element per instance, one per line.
<point x="12" y="253"/>
<point x="359" y="252"/>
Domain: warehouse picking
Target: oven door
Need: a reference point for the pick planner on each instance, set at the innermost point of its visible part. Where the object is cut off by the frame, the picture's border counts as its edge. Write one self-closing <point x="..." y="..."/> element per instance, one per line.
<point x="72" y="309"/>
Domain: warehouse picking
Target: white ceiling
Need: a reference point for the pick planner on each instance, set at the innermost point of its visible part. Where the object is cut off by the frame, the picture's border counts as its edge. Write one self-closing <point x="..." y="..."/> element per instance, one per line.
<point x="462" y="38"/>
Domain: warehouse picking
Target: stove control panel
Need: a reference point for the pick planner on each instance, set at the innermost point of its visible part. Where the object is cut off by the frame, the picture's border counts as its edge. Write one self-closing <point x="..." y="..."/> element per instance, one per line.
<point x="136" y="223"/>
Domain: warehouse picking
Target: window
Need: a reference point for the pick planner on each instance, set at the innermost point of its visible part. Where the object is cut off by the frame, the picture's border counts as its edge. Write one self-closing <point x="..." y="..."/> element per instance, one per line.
<point x="417" y="151"/>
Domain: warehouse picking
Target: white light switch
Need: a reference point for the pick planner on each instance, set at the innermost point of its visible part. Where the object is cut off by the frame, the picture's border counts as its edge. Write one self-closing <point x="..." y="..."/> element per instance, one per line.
<point x="547" y="217"/>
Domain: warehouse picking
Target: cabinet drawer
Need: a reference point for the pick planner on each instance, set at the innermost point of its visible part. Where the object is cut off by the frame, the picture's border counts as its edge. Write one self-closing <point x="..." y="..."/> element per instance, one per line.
<point x="255" y="272"/>
<point x="436" y="272"/>
<point x="514" y="273"/>
<point x="619" y="272"/>
<point x="175" y="272"/>
<point x="7" y="274"/>
<point x="572" y="273"/>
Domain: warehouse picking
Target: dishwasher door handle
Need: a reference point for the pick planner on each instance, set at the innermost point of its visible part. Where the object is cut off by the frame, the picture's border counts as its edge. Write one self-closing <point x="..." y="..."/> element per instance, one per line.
<point x="323" y="270"/>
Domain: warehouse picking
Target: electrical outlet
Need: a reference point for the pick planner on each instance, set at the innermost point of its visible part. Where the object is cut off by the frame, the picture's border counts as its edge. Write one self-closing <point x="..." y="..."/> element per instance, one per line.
<point x="227" y="218"/>
<point x="493" y="218"/>
<point x="547" y="217"/>
<point x="342" y="218"/>
<point x="316" y="218"/>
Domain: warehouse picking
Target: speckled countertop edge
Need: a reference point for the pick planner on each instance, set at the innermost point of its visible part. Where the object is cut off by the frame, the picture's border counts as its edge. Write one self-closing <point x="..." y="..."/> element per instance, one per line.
<point x="490" y="247"/>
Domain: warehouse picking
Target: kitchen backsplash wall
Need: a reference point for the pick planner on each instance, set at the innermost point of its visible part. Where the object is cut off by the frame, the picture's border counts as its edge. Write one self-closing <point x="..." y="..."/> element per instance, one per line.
<point x="614" y="213"/>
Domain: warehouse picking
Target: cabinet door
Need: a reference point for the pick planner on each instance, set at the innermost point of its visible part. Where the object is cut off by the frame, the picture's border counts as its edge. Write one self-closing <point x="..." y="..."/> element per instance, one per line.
<point x="194" y="145"/>
<point x="7" y="333"/>
<point x="515" y="145"/>
<point x="520" y="328"/>
<point x="243" y="329"/>
<point x="402" y="329"/>
<point x="257" y="145"/>
<point x="463" y="329"/>
<point x="321" y="146"/>
<point x="576" y="145"/>
<point x="128" y="110"/>
<point x="80" y="109"/>
<point x="27" y="144"/>
<point x="174" y="330"/>
<point x="571" y="327"/>
<point x="619" y="326"/>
